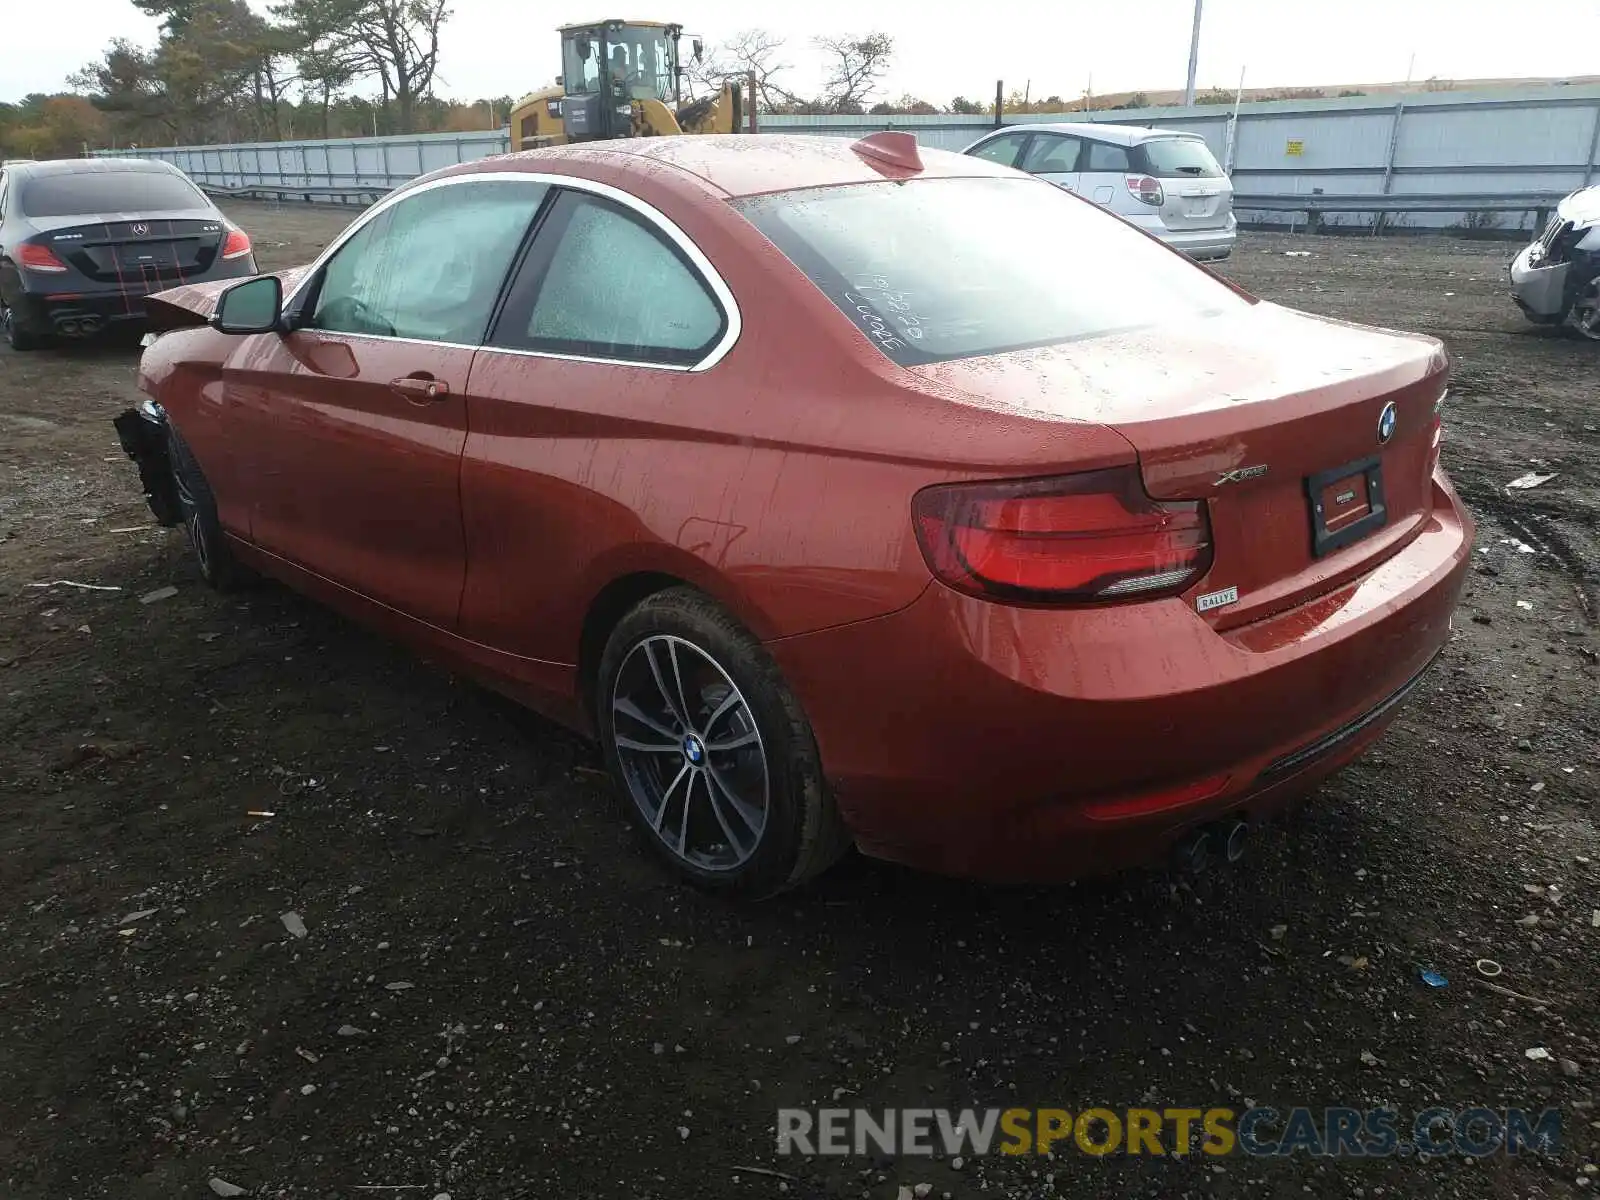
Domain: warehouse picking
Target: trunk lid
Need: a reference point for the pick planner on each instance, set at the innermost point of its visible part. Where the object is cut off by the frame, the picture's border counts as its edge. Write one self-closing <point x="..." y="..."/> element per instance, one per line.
<point x="1265" y="415"/>
<point x="1196" y="192"/>
<point x="139" y="253"/>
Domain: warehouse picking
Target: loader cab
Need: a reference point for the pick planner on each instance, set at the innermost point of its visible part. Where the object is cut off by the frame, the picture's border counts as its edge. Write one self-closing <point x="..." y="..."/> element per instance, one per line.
<point x="608" y="65"/>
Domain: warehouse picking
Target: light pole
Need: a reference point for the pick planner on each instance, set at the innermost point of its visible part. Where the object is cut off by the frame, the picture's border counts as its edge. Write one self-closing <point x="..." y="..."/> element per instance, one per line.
<point x="1194" y="56"/>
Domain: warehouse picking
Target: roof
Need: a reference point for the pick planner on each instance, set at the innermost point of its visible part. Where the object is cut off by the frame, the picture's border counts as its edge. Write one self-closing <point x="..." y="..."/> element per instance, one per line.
<point x="1123" y="135"/>
<point x="745" y="164"/>
<point x="91" y="166"/>
<point x="615" y="21"/>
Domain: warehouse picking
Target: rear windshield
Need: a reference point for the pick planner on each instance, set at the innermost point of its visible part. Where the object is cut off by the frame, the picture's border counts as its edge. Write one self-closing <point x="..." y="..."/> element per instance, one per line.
<point x="936" y="269"/>
<point x="1172" y="157"/>
<point x="96" y="192"/>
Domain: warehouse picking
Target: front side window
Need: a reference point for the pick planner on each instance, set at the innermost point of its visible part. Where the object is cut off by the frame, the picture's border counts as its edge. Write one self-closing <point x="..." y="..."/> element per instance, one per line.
<point x="1002" y="149"/>
<point x="610" y="285"/>
<point x="430" y="266"/>
<point x="1052" y="154"/>
<point x="935" y="269"/>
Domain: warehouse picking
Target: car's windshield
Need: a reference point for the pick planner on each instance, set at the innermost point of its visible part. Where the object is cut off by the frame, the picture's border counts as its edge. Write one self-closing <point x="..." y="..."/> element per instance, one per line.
<point x="91" y="193"/>
<point x="641" y="62"/>
<point x="637" y="61"/>
<point x="1169" y="157"/>
<point x="935" y="269"/>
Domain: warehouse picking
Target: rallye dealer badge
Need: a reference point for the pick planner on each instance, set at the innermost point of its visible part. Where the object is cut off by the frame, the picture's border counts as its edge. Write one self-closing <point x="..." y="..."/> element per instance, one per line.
<point x="1216" y="599"/>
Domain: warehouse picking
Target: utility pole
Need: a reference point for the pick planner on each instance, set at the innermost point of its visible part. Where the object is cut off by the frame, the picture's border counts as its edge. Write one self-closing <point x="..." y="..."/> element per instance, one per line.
<point x="1194" y="56"/>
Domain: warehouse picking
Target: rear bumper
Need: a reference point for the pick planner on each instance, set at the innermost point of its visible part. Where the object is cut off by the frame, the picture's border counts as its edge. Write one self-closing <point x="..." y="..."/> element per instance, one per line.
<point x="1032" y="744"/>
<point x="1196" y="243"/>
<point x="74" y="308"/>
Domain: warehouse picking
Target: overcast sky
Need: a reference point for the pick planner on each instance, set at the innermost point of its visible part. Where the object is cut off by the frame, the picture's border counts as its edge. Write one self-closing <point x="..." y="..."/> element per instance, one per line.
<point x="507" y="47"/>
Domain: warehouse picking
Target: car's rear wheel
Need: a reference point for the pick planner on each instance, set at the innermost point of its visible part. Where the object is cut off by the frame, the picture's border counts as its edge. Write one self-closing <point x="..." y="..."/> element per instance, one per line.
<point x="19" y="334"/>
<point x="716" y="761"/>
<point x="198" y="508"/>
<point x="1586" y="312"/>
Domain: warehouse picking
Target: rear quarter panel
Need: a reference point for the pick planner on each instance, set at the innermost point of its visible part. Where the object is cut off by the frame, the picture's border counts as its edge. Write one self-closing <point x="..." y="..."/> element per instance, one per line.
<point x="779" y="480"/>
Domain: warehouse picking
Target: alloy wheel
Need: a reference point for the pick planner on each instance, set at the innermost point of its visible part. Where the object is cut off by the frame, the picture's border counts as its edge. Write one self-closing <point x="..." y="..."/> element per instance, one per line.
<point x="691" y="754"/>
<point x="1588" y="322"/>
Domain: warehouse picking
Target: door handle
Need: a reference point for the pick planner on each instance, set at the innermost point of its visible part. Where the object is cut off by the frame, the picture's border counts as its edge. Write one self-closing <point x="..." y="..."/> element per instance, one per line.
<point x="419" y="388"/>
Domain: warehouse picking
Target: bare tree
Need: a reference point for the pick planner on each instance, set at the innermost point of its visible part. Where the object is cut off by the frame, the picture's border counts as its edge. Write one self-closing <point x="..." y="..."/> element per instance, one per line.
<point x="753" y="53"/>
<point x="857" y="64"/>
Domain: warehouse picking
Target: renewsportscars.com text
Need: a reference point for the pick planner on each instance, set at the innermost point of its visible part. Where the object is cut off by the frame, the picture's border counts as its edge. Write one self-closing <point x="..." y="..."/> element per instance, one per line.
<point x="1260" y="1131"/>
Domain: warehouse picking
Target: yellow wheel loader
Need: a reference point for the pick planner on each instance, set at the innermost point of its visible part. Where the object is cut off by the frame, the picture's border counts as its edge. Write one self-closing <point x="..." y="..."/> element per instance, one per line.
<point x="622" y="79"/>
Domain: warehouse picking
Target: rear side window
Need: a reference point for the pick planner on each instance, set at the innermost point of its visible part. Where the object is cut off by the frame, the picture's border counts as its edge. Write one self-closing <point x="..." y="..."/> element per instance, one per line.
<point x="1171" y="158"/>
<point x="1103" y="157"/>
<point x="603" y="283"/>
<point x="93" y="193"/>
<point x="1052" y="154"/>
<point x="937" y="269"/>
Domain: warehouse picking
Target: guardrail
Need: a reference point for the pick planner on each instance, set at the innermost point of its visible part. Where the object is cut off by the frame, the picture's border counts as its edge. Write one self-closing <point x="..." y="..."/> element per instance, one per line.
<point x="1317" y="204"/>
<point x="360" y="194"/>
<point x="1420" y="202"/>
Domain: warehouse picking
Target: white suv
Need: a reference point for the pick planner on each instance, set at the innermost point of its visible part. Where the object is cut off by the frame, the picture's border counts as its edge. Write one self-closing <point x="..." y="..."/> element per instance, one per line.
<point x="1167" y="183"/>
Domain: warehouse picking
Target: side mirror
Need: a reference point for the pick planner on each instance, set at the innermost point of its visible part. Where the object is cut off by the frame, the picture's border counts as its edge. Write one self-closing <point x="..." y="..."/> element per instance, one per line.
<point x="250" y="307"/>
<point x="699" y="49"/>
<point x="561" y="81"/>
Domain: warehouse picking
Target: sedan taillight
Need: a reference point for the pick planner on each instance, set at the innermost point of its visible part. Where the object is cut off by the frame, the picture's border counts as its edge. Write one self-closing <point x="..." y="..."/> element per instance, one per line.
<point x="31" y="257"/>
<point x="237" y="245"/>
<point x="1075" y="539"/>
<point x="1143" y="187"/>
<point x="1437" y="433"/>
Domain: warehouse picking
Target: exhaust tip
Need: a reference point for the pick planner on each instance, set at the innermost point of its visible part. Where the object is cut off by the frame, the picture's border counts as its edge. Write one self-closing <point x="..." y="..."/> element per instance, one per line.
<point x="1192" y="853"/>
<point x="1232" y="837"/>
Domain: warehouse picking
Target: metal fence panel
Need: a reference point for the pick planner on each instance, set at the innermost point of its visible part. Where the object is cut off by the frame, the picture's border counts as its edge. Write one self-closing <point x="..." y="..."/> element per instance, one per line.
<point x="1540" y="143"/>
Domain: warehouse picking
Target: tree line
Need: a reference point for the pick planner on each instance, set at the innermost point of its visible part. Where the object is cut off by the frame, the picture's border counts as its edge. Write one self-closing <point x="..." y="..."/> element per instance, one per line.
<point x="222" y="72"/>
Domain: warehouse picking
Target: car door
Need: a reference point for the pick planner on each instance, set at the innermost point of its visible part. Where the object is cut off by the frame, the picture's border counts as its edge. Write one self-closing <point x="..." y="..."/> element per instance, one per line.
<point x="1105" y="168"/>
<point x="1004" y="148"/>
<point x="1054" y="156"/>
<point x="350" y="427"/>
<point x="575" y="402"/>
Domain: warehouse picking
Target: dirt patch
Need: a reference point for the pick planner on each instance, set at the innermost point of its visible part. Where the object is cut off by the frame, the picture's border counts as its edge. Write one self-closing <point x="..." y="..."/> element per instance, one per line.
<point x="216" y="762"/>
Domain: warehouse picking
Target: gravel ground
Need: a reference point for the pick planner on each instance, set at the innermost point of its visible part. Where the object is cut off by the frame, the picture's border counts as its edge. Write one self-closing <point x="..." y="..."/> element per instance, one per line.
<point x="496" y="995"/>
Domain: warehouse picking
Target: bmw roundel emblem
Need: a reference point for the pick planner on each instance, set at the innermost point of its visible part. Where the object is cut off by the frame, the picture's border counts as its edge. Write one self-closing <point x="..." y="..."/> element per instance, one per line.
<point x="1387" y="420"/>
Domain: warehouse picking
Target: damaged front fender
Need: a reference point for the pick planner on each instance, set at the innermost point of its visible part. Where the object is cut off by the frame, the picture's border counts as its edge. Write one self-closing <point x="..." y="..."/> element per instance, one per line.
<point x="143" y="434"/>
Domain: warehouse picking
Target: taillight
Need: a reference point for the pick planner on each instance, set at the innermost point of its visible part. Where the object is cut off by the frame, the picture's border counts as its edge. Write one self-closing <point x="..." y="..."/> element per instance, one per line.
<point x="1437" y="434"/>
<point x="32" y="257"/>
<point x="1074" y="539"/>
<point x="237" y="244"/>
<point x="1145" y="188"/>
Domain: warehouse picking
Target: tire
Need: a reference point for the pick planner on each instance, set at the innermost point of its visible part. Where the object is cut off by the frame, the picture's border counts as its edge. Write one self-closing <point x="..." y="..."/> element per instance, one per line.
<point x="692" y="793"/>
<point x="198" y="507"/>
<point x="19" y="335"/>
